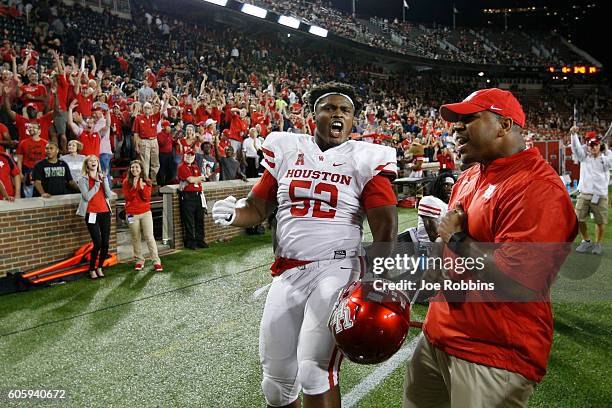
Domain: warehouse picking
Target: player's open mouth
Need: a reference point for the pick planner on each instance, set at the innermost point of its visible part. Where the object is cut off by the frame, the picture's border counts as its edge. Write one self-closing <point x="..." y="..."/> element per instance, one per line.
<point x="336" y="128"/>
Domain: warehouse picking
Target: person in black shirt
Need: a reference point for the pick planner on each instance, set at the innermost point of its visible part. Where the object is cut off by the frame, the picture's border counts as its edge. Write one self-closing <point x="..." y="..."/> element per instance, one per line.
<point x="52" y="176"/>
<point x="230" y="167"/>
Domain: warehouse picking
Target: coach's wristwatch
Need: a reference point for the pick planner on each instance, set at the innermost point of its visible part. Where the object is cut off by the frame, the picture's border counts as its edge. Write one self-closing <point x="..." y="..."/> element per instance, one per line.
<point x="456" y="239"/>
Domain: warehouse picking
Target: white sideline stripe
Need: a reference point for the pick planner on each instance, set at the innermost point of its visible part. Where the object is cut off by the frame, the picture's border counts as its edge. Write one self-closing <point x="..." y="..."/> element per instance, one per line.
<point x="371" y="381"/>
<point x="261" y="291"/>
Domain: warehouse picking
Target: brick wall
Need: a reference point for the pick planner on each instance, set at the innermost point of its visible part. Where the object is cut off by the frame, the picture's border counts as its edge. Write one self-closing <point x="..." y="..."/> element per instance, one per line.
<point x="213" y="192"/>
<point x="37" y="231"/>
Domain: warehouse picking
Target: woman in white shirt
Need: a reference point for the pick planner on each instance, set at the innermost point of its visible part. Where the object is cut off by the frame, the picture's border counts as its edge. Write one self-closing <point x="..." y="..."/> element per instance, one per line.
<point x="73" y="159"/>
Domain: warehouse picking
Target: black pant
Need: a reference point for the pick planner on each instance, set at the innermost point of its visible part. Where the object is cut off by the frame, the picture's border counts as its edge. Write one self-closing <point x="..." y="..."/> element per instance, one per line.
<point x="192" y="218"/>
<point x="166" y="168"/>
<point x="100" y="236"/>
<point x="251" y="170"/>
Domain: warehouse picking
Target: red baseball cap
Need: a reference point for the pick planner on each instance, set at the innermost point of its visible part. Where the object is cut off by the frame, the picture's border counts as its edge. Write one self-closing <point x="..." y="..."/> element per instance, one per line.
<point x="226" y="131"/>
<point x="32" y="105"/>
<point x="165" y="123"/>
<point x="189" y="150"/>
<point x="591" y="135"/>
<point x="594" y="142"/>
<point x="492" y="99"/>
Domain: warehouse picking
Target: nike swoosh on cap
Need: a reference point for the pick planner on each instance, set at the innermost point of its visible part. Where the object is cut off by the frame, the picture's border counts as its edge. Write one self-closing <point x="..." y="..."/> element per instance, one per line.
<point x="337" y="164"/>
<point x="495" y="108"/>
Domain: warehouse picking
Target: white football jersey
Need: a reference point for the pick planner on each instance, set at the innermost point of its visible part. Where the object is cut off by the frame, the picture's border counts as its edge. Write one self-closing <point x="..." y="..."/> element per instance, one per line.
<point x="320" y="215"/>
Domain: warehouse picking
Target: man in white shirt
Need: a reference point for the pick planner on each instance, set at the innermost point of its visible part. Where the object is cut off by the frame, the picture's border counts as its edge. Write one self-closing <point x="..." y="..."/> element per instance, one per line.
<point x="250" y="148"/>
<point x="595" y="165"/>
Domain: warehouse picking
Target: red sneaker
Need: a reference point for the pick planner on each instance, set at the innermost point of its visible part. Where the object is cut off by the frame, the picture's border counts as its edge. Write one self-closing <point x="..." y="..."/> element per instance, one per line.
<point x="158" y="268"/>
<point x="139" y="267"/>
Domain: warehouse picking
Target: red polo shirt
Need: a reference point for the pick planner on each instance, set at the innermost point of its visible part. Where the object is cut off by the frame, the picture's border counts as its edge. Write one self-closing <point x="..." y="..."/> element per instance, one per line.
<point x="185" y="170"/>
<point x="85" y="105"/>
<point x="146" y="126"/>
<point x="165" y="142"/>
<point x="514" y="199"/>
<point x="446" y="162"/>
<point x="238" y="128"/>
<point x="137" y="200"/>
<point x="91" y="143"/>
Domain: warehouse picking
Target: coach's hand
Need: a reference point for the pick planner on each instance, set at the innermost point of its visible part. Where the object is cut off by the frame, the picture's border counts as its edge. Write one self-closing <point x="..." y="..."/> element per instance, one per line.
<point x="224" y="211"/>
<point x="453" y="221"/>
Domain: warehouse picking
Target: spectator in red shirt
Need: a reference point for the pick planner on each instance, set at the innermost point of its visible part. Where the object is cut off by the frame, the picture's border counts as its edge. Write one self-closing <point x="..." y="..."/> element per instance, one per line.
<point x="215" y="112"/>
<point x="150" y="76"/>
<point x="446" y="159"/>
<point x="84" y="97"/>
<point x="7" y="51"/>
<point x="224" y="143"/>
<point x="137" y="193"/>
<point x="167" y="167"/>
<point x="493" y="353"/>
<point x="89" y="138"/>
<point x="45" y="121"/>
<point x="118" y="119"/>
<point x="30" y="54"/>
<point x="145" y="141"/>
<point x="29" y="152"/>
<point x="5" y="138"/>
<point x="62" y="86"/>
<point x="33" y="92"/>
<point x="238" y="128"/>
<point x="123" y="63"/>
<point x="259" y="117"/>
<point x="95" y="207"/>
<point x="192" y="201"/>
<point x="10" y="178"/>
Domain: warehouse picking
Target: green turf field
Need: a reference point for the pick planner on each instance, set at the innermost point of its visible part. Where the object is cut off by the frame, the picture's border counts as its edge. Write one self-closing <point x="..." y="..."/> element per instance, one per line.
<point x="188" y="337"/>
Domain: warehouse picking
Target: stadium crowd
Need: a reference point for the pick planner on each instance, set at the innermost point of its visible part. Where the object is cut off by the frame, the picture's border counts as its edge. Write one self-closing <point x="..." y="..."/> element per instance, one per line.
<point x="483" y="46"/>
<point x="153" y="87"/>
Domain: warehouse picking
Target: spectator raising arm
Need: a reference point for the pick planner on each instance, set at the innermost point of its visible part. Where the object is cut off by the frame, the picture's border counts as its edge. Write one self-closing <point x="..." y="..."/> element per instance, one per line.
<point x="578" y="150"/>
<point x="77" y="130"/>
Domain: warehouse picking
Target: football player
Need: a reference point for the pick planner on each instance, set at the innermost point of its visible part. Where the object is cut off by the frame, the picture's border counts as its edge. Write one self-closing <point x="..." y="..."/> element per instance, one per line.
<point x="323" y="187"/>
<point x="431" y="209"/>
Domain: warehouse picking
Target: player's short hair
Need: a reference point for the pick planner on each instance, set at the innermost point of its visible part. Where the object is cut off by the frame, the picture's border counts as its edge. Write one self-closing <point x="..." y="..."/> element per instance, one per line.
<point x="53" y="144"/>
<point x="333" y="87"/>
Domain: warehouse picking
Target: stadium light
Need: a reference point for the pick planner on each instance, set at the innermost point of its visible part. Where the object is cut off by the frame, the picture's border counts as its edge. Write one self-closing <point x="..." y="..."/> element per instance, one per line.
<point x="289" y="22"/>
<point x="218" y="2"/>
<point x="481" y="74"/>
<point x="321" y="32"/>
<point x="254" y="11"/>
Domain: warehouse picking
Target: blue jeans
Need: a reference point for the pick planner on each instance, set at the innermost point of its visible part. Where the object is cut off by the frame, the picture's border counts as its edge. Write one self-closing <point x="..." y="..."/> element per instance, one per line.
<point x="105" y="159"/>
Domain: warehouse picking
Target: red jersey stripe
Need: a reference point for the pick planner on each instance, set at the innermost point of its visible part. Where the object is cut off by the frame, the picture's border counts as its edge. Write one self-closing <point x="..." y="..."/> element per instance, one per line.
<point x="268" y="152"/>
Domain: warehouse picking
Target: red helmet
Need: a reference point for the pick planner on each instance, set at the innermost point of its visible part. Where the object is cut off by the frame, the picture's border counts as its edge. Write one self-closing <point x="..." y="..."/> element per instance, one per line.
<point x="370" y="325"/>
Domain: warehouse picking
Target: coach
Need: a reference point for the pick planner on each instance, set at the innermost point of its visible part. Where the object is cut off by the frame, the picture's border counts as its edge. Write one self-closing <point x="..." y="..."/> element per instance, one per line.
<point x="595" y="166"/>
<point x="492" y="353"/>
